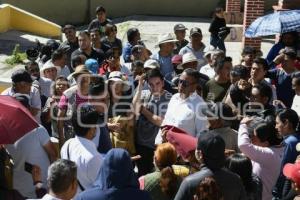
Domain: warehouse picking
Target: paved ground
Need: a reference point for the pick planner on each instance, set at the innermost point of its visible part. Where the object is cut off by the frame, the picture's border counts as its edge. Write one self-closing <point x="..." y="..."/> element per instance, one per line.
<point x="150" y="27"/>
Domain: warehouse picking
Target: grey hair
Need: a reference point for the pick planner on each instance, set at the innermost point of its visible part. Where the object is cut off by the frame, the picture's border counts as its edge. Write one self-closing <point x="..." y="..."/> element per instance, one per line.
<point x="61" y="174"/>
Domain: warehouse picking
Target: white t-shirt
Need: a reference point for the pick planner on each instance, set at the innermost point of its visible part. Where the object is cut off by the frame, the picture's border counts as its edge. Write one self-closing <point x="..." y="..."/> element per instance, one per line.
<point x="88" y="160"/>
<point x="45" y="85"/>
<point x="29" y="148"/>
<point x="296" y="104"/>
<point x="186" y="114"/>
<point x="208" y="70"/>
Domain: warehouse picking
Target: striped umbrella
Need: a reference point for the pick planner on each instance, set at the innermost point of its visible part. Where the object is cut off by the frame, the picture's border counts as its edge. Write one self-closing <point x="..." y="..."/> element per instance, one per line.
<point x="271" y="24"/>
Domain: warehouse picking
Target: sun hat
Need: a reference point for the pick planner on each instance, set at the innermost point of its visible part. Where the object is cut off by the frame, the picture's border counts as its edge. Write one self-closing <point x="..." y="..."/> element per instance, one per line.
<point x="187" y="58"/>
<point x="80" y="69"/>
<point x="117" y="76"/>
<point x="166" y="38"/>
<point x="151" y="64"/>
<point x="48" y="65"/>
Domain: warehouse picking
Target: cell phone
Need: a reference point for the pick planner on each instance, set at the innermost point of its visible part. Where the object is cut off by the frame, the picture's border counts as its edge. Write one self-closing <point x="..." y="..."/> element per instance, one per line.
<point x="28" y="167"/>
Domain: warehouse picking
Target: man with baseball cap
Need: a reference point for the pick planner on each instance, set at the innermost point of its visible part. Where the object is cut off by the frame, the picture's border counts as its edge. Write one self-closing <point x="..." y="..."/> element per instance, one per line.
<point x="179" y="30"/>
<point x="22" y="83"/>
<point x="210" y="152"/>
<point x="196" y="46"/>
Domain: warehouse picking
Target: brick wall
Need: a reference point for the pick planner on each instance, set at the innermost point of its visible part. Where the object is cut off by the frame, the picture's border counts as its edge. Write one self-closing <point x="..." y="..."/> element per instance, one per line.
<point x="233" y="6"/>
<point x="253" y="10"/>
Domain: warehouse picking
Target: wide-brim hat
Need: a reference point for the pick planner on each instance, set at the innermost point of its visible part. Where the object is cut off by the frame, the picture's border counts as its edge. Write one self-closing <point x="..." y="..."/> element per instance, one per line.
<point x="79" y="70"/>
<point x="151" y="64"/>
<point x="48" y="65"/>
<point x="117" y="76"/>
<point x="187" y="58"/>
<point x="166" y="38"/>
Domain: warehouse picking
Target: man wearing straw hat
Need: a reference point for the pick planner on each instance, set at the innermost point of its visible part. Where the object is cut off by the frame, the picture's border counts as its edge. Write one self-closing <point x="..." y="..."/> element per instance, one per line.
<point x="166" y="44"/>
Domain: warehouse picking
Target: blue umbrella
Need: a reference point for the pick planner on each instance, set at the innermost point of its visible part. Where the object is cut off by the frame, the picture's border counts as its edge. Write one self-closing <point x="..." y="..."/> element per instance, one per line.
<point x="271" y="24"/>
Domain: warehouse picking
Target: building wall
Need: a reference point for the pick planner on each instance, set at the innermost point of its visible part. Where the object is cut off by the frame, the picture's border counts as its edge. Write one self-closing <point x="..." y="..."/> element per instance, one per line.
<point x="74" y="11"/>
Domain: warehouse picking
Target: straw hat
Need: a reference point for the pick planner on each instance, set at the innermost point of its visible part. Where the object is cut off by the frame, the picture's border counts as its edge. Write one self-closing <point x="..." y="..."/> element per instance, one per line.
<point x="81" y="69"/>
<point x="187" y="58"/>
<point x="166" y="38"/>
<point x="117" y="76"/>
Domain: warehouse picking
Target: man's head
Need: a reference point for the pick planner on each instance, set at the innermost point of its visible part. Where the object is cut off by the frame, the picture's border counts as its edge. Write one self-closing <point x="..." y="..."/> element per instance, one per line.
<point x="95" y="35"/>
<point x="101" y="14"/>
<point x="189" y="60"/>
<point x="21" y="81"/>
<point x="210" y="149"/>
<point x="33" y="69"/>
<point x="59" y="58"/>
<point x="49" y="70"/>
<point x="84" y="121"/>
<point x="188" y="81"/>
<point x="166" y="43"/>
<point x="196" y="36"/>
<point x="133" y="36"/>
<point x="62" y="179"/>
<point x="218" y="114"/>
<point x="155" y="81"/>
<point x="248" y="55"/>
<point x="239" y="72"/>
<point x="137" y="68"/>
<point x="111" y="30"/>
<point x="98" y="95"/>
<point x="138" y="52"/>
<point x="70" y="32"/>
<point x="287" y="122"/>
<point x="296" y="83"/>
<point x="223" y="67"/>
<point x="259" y="69"/>
<point x="261" y="93"/>
<point x="290" y="56"/>
<point x="179" y="31"/>
<point x="78" y="60"/>
<point x="289" y="39"/>
<point x="84" y="40"/>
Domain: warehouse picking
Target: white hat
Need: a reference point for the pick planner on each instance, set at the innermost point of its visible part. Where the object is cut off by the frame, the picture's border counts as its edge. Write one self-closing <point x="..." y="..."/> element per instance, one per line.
<point x="166" y="38"/>
<point x="187" y="58"/>
<point x="151" y="64"/>
<point x="117" y="76"/>
<point x="48" y="65"/>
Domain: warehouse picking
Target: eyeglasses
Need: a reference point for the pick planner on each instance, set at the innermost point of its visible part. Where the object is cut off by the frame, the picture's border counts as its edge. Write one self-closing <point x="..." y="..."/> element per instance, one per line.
<point x="184" y="83"/>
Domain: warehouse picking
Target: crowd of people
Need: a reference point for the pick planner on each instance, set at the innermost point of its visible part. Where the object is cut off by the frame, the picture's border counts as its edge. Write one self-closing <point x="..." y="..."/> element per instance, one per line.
<point x="117" y="121"/>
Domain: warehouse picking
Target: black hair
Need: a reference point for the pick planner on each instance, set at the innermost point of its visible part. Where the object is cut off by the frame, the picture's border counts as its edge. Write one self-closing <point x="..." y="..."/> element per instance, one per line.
<point x="154" y="73"/>
<point x="97" y="87"/>
<point x="83" y="118"/>
<point x="94" y="30"/>
<point x="137" y="63"/>
<point x="297" y="77"/>
<point x="248" y="50"/>
<point x="193" y="73"/>
<point x="54" y="84"/>
<point x="264" y="90"/>
<point x="242" y="166"/>
<point x="221" y="62"/>
<point x="263" y="62"/>
<point x="290" y="115"/>
<point x="131" y="33"/>
<point x="291" y="54"/>
<point x="100" y="9"/>
<point x="76" y="60"/>
<point x="57" y="54"/>
<point x="240" y="71"/>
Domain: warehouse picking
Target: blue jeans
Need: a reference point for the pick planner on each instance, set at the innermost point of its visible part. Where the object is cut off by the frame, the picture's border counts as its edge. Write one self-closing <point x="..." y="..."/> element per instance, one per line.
<point x="216" y="42"/>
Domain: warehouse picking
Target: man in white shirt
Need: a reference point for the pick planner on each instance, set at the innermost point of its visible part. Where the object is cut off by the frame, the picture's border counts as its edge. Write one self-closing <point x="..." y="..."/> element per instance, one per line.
<point x="81" y="149"/>
<point x="59" y="59"/>
<point x="211" y="58"/>
<point x="22" y="83"/>
<point x="185" y="109"/>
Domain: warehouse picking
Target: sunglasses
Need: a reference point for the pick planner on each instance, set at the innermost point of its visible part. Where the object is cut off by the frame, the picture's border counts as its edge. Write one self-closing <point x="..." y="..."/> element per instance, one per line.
<point x="184" y="83"/>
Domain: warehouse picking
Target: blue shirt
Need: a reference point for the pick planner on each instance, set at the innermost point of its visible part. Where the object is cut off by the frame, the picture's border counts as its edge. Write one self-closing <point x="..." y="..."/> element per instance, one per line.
<point x="126" y="52"/>
<point x="166" y="66"/>
<point x="283" y="83"/>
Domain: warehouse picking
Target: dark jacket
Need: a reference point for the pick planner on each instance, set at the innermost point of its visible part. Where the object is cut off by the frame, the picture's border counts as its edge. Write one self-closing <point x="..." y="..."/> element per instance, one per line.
<point x="230" y="184"/>
<point x="116" y="180"/>
<point x="215" y="26"/>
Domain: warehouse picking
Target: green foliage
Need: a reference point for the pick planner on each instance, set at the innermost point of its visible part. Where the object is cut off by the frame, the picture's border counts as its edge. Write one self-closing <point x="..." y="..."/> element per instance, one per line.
<point x="17" y="57"/>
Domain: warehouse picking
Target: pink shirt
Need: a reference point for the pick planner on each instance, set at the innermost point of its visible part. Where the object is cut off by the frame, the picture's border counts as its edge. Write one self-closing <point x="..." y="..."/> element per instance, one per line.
<point x="266" y="161"/>
<point x="79" y="99"/>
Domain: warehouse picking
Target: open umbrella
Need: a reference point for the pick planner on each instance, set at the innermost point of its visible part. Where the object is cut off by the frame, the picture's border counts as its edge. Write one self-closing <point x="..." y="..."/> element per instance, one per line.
<point x="271" y="24"/>
<point x="15" y="120"/>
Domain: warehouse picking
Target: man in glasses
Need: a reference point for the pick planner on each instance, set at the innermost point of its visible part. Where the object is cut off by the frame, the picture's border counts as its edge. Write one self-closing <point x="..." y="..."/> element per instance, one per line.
<point x="45" y="83"/>
<point x="185" y="109"/>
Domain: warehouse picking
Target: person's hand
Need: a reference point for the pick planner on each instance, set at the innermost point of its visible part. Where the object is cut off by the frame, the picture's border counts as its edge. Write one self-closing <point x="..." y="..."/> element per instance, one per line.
<point x="36" y="174"/>
<point x="136" y="157"/>
<point x="141" y="79"/>
<point x="246" y="120"/>
<point x="164" y="132"/>
<point x="115" y="127"/>
<point x="278" y="103"/>
<point x="279" y="58"/>
<point x="243" y="84"/>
